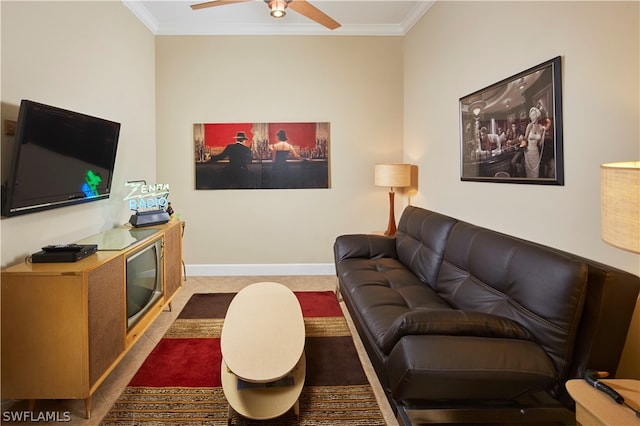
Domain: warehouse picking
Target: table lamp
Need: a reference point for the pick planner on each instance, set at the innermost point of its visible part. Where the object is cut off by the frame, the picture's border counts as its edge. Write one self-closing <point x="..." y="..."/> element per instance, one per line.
<point x="393" y="175"/>
<point x="620" y="205"/>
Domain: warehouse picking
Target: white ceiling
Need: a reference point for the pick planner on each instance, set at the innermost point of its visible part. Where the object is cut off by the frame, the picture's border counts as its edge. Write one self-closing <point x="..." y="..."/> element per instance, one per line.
<point x="357" y="17"/>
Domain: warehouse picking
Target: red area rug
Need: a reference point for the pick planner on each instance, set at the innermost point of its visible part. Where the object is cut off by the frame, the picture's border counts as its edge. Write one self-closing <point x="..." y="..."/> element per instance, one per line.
<point x="179" y="382"/>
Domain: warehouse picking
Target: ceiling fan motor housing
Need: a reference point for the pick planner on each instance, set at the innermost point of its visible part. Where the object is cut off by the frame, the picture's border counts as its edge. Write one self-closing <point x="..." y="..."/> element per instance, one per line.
<point x="278" y="7"/>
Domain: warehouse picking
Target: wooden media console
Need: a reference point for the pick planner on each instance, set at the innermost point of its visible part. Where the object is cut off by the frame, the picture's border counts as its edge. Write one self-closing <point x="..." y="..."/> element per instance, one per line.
<point x="64" y="325"/>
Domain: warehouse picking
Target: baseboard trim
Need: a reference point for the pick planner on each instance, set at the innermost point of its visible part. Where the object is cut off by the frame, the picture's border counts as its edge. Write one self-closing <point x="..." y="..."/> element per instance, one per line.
<point x="260" y="269"/>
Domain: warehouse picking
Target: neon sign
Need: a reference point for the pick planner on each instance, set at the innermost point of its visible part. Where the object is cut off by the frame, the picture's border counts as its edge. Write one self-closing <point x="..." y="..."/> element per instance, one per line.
<point x="145" y="197"/>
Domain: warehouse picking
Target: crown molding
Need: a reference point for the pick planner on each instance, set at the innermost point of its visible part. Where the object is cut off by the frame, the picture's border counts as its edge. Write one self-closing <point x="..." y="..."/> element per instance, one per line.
<point x="143" y="15"/>
<point x="415" y="15"/>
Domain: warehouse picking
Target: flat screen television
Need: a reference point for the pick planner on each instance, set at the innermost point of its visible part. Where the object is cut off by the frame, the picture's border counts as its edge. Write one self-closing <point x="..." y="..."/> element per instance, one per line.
<point x="59" y="158"/>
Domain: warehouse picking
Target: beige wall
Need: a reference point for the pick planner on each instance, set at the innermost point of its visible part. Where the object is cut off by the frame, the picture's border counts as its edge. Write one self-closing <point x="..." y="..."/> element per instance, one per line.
<point x="355" y="83"/>
<point x="461" y="47"/>
<point x="92" y="57"/>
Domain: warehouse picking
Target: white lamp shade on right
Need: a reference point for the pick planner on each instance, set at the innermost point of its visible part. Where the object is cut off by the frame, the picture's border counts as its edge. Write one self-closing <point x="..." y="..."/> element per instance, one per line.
<point x="620" y="204"/>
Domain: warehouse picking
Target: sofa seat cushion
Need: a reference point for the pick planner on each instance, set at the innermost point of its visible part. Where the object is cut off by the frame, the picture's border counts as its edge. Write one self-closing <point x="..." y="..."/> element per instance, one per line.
<point x="359" y="272"/>
<point x="383" y="290"/>
<point x="467" y="368"/>
<point x="451" y="322"/>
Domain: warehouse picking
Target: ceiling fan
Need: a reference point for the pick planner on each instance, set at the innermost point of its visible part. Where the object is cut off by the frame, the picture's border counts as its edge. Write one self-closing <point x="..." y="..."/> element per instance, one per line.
<point x="278" y="7"/>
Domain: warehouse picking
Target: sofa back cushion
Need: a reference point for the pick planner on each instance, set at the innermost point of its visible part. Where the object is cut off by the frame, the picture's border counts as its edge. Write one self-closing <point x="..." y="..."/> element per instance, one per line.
<point x="421" y="240"/>
<point x="540" y="289"/>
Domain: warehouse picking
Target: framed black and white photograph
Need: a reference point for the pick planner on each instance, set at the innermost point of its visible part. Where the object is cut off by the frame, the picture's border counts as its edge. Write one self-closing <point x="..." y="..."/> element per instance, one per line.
<point x="511" y="131"/>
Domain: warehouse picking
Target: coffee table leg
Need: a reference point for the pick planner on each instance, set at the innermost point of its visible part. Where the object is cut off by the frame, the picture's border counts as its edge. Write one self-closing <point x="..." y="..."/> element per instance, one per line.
<point x="296" y="410"/>
<point x="229" y="415"/>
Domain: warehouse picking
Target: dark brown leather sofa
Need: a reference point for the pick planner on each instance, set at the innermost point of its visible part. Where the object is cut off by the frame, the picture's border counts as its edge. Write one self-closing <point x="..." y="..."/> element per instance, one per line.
<point x="465" y="324"/>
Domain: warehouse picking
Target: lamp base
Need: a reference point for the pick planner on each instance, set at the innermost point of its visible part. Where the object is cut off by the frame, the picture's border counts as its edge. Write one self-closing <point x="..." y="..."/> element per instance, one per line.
<point x="391" y="226"/>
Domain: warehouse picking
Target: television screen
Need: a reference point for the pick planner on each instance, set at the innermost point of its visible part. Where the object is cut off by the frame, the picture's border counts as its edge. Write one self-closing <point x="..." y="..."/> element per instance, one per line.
<point x="144" y="282"/>
<point x="60" y="158"/>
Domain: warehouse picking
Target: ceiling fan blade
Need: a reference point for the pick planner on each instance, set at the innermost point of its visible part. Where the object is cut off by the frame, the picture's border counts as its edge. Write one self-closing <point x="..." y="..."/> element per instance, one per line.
<point x="215" y="3"/>
<point x="310" y="11"/>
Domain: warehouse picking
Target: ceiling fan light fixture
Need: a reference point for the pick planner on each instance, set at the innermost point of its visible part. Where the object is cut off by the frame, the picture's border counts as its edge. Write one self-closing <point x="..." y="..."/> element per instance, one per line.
<point x="277" y="8"/>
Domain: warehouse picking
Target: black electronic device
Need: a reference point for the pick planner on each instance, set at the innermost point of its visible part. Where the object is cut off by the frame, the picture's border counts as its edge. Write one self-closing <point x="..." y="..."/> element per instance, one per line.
<point x="149" y="217"/>
<point x="62" y="247"/>
<point x="59" y="158"/>
<point x="72" y="253"/>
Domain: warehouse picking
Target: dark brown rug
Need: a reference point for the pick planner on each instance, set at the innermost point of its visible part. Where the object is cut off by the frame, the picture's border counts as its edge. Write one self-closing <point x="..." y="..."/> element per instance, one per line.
<point x="179" y="382"/>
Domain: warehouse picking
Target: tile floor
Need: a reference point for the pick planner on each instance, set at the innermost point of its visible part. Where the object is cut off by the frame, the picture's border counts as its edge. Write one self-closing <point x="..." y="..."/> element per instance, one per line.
<point x="113" y="385"/>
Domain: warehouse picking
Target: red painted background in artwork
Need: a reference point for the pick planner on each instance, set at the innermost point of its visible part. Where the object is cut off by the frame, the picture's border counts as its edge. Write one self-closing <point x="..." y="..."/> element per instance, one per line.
<point x="222" y="134"/>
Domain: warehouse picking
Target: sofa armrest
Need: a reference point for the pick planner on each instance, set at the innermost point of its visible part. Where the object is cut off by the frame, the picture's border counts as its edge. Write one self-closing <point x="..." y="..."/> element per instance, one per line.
<point x="366" y="246"/>
<point x="451" y="322"/>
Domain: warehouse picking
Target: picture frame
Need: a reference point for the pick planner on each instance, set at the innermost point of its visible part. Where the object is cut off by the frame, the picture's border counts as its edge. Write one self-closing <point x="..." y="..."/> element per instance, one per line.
<point x="252" y="155"/>
<point x="500" y="140"/>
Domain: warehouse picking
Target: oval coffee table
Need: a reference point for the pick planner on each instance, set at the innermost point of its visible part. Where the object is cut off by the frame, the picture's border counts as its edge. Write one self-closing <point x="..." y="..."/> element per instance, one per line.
<point x="262" y="343"/>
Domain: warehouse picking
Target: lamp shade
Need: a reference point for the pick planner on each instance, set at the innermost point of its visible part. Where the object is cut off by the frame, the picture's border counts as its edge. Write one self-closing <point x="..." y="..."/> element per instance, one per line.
<point x="394" y="175"/>
<point x="620" y="204"/>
